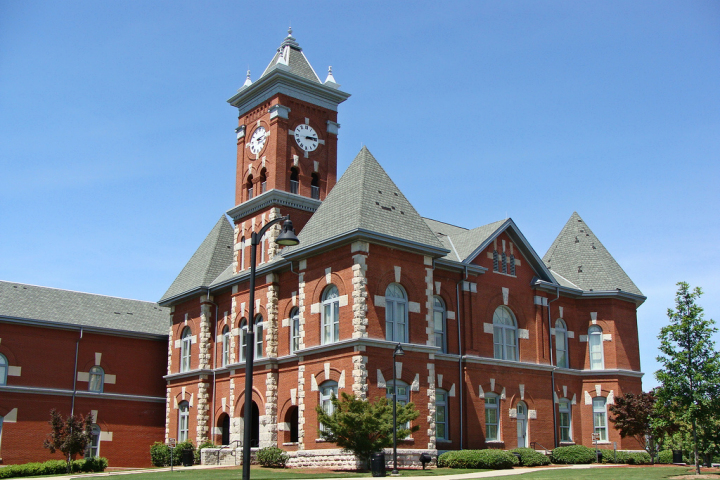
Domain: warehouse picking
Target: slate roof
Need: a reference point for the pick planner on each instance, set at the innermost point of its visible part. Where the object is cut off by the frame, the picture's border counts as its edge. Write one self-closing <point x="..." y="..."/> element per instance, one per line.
<point x="211" y="258"/>
<point x="365" y="198"/>
<point x="30" y="302"/>
<point x="289" y="53"/>
<point x="581" y="259"/>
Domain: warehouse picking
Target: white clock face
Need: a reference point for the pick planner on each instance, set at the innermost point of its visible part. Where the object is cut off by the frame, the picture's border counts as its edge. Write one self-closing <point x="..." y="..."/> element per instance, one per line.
<point x="306" y="137"/>
<point x="257" y="141"/>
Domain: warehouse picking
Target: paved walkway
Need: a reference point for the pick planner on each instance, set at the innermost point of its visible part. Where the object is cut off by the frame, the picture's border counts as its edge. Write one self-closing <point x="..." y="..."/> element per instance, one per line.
<point x="460" y="476"/>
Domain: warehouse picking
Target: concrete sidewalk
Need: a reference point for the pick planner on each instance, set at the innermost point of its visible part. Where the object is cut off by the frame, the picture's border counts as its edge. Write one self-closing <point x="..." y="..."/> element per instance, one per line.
<point x="460" y="476"/>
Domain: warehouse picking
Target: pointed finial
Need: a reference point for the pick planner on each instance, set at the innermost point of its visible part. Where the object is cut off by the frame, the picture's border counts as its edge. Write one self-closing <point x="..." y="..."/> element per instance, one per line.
<point x="330" y="79"/>
<point x="289" y="31"/>
<point x="248" y="82"/>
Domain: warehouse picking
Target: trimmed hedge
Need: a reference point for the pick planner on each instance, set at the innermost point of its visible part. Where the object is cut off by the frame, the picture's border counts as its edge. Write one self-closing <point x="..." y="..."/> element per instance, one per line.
<point x="160" y="453"/>
<point x="665" y="457"/>
<point x="531" y="458"/>
<point x="54" y="467"/>
<point x="629" y="458"/>
<point x="489" y="458"/>
<point x="573" y="454"/>
<point x="272" y="457"/>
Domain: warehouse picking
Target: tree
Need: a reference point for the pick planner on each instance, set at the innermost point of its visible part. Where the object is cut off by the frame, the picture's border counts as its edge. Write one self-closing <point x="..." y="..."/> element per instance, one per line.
<point x="364" y="427"/>
<point x="71" y="436"/>
<point x="690" y="372"/>
<point x="636" y="416"/>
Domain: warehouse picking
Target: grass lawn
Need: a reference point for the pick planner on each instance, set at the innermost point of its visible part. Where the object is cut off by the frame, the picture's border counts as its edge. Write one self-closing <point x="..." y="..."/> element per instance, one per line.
<point x="608" y="473"/>
<point x="259" y="473"/>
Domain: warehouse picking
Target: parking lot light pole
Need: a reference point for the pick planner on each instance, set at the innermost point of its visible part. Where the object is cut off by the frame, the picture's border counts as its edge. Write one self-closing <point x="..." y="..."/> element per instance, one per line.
<point x="286" y="238"/>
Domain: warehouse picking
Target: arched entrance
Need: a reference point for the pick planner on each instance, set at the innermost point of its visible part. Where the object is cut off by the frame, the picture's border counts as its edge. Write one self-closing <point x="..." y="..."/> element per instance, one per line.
<point x="254" y="424"/>
<point x="224" y="427"/>
<point x="291" y="420"/>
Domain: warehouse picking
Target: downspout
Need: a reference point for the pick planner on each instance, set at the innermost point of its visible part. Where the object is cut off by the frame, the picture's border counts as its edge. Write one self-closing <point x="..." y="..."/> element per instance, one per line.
<point x="77" y="347"/>
<point x="460" y="354"/>
<point x="552" y="372"/>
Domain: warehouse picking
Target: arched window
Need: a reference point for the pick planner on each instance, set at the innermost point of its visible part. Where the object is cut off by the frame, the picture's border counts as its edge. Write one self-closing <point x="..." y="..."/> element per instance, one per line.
<point x="294" y="180"/>
<point x="243" y="339"/>
<point x="185" y="349"/>
<point x="492" y="417"/>
<point x="93" y="450"/>
<point x="294" y="330"/>
<point x="96" y="379"/>
<point x="600" y="418"/>
<point x="330" y="315"/>
<point x="242" y="254"/>
<point x="263" y="181"/>
<point x="183" y="421"/>
<point x="315" y="186"/>
<point x="225" y="345"/>
<point x="327" y="390"/>
<point x="595" y="342"/>
<point x="504" y="334"/>
<point x="249" y="187"/>
<point x="564" y="407"/>
<point x="561" y="344"/>
<point x="263" y="242"/>
<point x="439" y="323"/>
<point x="396" y="314"/>
<point x="402" y="396"/>
<point x="3" y="369"/>
<point x="258" y="336"/>
<point x="293" y="421"/>
<point x="441" y="415"/>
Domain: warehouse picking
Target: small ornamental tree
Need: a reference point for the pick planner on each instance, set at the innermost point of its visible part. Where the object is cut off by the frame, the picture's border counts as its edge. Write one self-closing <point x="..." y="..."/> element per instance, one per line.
<point x="635" y="416"/>
<point x="71" y="436"/>
<point x="690" y="372"/>
<point x="363" y="427"/>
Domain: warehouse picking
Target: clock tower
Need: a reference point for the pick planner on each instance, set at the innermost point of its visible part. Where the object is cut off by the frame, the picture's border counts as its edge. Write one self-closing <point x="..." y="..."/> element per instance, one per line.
<point x="286" y="141"/>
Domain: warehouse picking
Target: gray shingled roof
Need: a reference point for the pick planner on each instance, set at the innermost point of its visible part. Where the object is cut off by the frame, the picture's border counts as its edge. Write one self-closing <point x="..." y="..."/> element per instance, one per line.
<point x="579" y="257"/>
<point x="468" y="242"/>
<point x="30" y="302"/>
<point x="291" y="52"/>
<point x="210" y="259"/>
<point x="365" y="198"/>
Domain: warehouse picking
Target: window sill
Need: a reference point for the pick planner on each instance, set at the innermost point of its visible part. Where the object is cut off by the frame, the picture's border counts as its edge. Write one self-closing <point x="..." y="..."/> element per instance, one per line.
<point x="566" y="444"/>
<point x="442" y="440"/>
<point x="290" y="444"/>
<point x="495" y="442"/>
<point x="506" y="274"/>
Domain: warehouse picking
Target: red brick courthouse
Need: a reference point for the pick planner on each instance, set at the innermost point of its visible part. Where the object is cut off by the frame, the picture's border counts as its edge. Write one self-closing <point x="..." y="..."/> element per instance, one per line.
<point x="82" y="353"/>
<point x="503" y="348"/>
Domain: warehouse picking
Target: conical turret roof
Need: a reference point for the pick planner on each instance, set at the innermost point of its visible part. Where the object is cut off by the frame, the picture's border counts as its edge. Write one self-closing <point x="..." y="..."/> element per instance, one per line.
<point x="579" y="256"/>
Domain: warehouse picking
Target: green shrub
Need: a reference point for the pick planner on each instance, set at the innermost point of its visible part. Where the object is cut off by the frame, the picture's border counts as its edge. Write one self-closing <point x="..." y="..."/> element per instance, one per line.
<point x="180" y="448"/>
<point x="272" y="457"/>
<point x="492" y="459"/>
<point x="206" y="444"/>
<point x="53" y="467"/>
<point x="665" y="456"/>
<point x="530" y="458"/>
<point x="629" y="458"/>
<point x="573" y="454"/>
<point x="160" y="454"/>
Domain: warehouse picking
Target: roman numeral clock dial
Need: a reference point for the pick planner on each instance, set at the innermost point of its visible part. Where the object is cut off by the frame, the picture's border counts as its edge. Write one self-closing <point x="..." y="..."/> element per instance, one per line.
<point x="306" y="138"/>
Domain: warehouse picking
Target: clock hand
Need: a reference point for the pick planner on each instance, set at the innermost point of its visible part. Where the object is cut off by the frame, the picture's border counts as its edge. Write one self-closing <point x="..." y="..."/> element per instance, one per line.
<point x="311" y="138"/>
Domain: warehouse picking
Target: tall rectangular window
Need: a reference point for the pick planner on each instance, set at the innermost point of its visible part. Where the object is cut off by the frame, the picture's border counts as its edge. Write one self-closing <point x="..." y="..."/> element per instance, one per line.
<point x="595" y="341"/>
<point x="441" y="415"/>
<point x="565" y="421"/>
<point x="600" y="418"/>
<point x="294" y="330"/>
<point x="491" y="417"/>
<point x="183" y="421"/>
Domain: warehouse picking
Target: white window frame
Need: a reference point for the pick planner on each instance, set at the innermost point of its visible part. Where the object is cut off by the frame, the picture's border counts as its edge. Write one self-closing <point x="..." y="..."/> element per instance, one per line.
<point x="600" y="420"/>
<point x="505" y="336"/>
<point x="330" y="312"/>
<point x="242" y="254"/>
<point x="294" y="330"/>
<point x="402" y="398"/>
<point x="3" y="369"/>
<point x="185" y="349"/>
<point x="561" y="344"/>
<point x="243" y="339"/>
<point x="441" y="415"/>
<point x="492" y="403"/>
<point x="326" y="390"/>
<point x="96" y="379"/>
<point x="183" y="421"/>
<point x="596" y="349"/>
<point x="225" y="345"/>
<point x="259" y="336"/>
<point x="521" y="413"/>
<point x="262" y="249"/>
<point x="565" y="410"/>
<point x="440" y="323"/>
<point x="396" y="314"/>
<point x="93" y="449"/>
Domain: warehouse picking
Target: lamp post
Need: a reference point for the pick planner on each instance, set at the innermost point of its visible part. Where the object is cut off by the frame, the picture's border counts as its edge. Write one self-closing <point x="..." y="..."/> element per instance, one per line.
<point x="286" y="238"/>
<point x="398" y="351"/>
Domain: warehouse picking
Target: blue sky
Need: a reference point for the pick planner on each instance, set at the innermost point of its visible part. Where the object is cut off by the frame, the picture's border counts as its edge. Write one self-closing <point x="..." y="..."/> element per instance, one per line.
<point x="117" y="145"/>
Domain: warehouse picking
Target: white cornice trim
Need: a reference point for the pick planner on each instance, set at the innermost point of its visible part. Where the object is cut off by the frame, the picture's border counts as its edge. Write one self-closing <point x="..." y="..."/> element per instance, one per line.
<point x="270" y="198"/>
<point x="68" y="393"/>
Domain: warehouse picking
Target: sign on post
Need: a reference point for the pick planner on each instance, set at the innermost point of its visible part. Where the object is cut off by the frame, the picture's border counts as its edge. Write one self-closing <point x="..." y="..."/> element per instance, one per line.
<point x="172" y="443"/>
